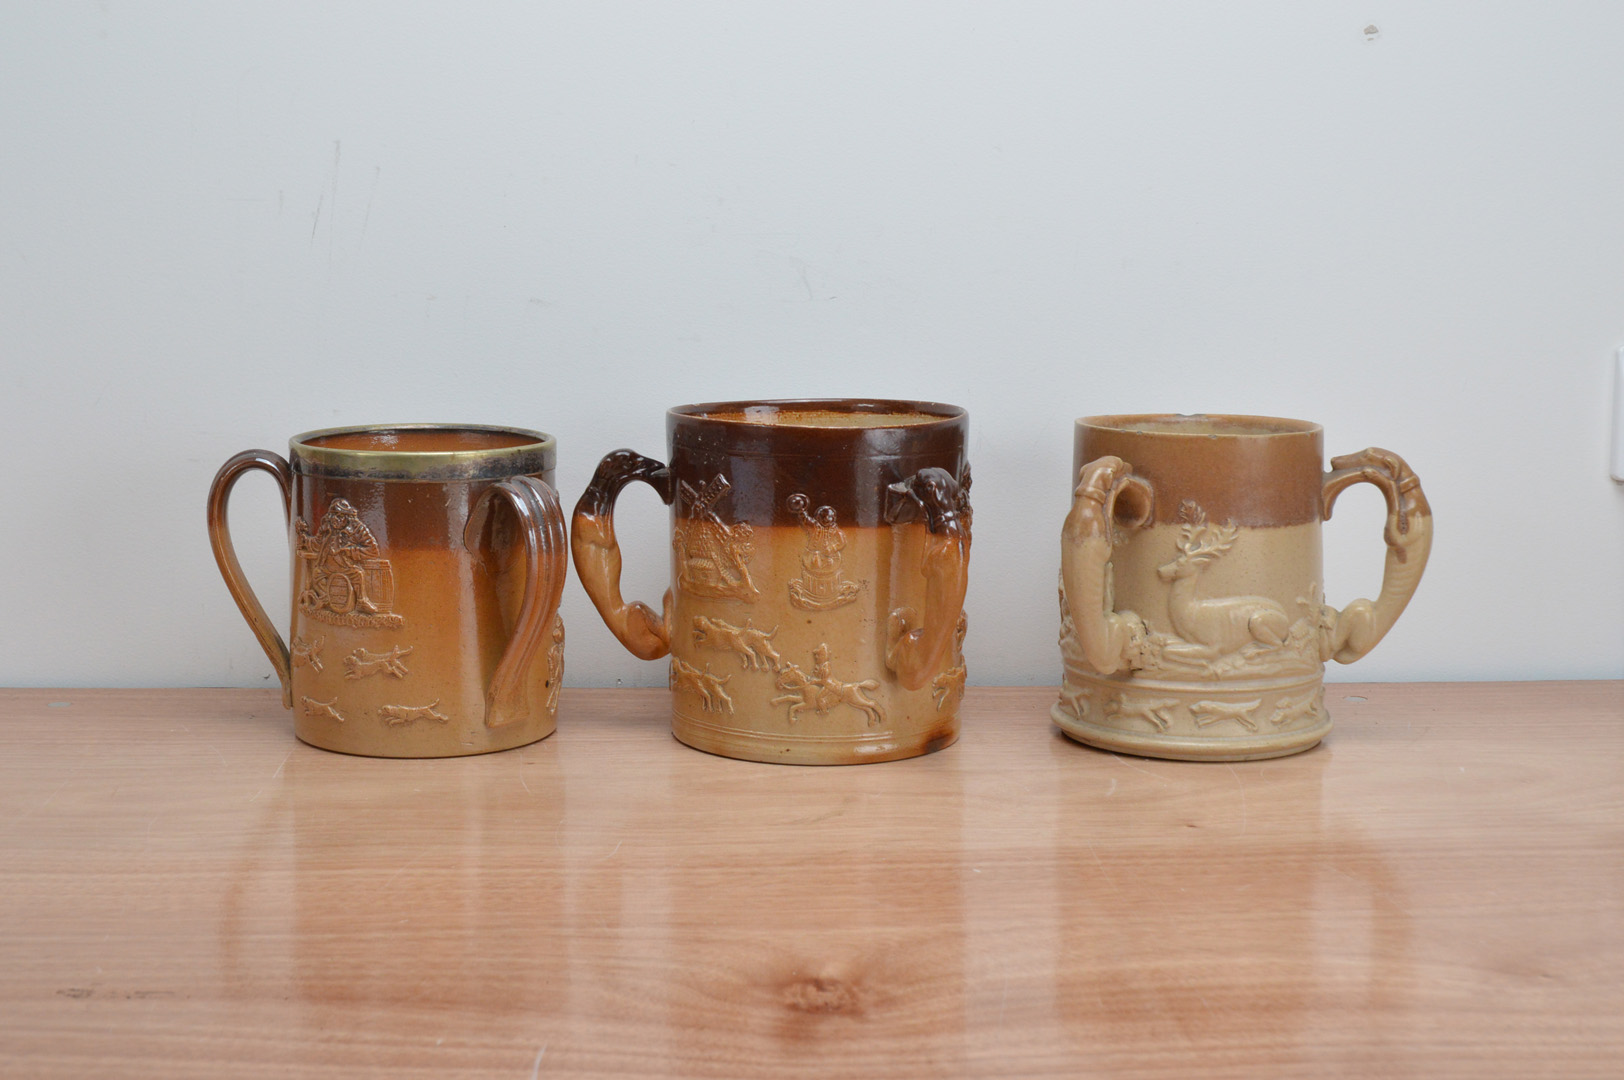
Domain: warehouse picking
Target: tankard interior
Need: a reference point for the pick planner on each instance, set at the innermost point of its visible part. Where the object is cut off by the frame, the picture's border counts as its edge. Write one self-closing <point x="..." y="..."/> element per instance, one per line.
<point x="824" y="413"/>
<point x="422" y="440"/>
<point x="1208" y="425"/>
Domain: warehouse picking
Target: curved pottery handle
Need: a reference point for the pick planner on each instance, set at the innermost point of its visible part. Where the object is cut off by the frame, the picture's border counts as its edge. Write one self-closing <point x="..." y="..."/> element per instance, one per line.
<point x="226" y="555"/>
<point x="646" y="635"/>
<point x="1355" y="630"/>
<point x="541" y="520"/>
<point x="915" y="644"/>
<point x="1110" y="640"/>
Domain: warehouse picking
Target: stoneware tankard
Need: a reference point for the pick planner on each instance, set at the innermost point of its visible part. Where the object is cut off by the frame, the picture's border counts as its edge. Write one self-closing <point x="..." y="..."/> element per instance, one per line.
<point x="1192" y="610"/>
<point x="819" y="558"/>
<point x="428" y="562"/>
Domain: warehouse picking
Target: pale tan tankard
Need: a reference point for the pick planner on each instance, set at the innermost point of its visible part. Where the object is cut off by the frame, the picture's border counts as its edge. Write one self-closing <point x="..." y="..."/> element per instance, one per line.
<point x="1193" y="620"/>
<point x="428" y="562"/>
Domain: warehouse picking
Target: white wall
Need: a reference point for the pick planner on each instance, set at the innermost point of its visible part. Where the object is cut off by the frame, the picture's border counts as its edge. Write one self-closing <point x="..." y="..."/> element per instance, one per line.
<point x="221" y="224"/>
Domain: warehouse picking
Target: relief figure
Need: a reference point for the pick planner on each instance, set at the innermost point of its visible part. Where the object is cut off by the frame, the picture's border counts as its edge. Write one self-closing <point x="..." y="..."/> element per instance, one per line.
<point x="347" y="584"/>
<point x="753" y="647"/>
<point x="707" y="686"/>
<point x="1206" y="713"/>
<point x="1287" y="711"/>
<point x="1158" y="712"/>
<point x="555" y="666"/>
<point x="821" y="691"/>
<point x="713" y="557"/>
<point x="820" y="586"/>
<point x="327" y="709"/>
<point x="400" y="715"/>
<point x="947" y="688"/>
<point x="361" y="663"/>
<point x="1077" y="700"/>
<point x="307" y="653"/>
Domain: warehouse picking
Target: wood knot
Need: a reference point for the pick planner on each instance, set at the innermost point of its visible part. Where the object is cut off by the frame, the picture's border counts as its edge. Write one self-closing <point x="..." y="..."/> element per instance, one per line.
<point x="823" y="995"/>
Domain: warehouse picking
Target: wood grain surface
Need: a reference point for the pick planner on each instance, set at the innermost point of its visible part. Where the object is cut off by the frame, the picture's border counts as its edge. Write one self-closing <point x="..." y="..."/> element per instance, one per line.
<point x="1438" y="890"/>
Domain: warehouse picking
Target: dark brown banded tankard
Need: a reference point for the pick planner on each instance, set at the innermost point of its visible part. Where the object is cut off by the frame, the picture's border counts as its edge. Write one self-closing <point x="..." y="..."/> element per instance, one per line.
<point x="819" y="559"/>
<point x="1192" y="607"/>
<point x="428" y="563"/>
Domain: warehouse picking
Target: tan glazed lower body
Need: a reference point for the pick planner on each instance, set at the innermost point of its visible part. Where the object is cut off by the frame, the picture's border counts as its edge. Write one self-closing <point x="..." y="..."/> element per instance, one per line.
<point x="410" y="682"/>
<point x="796" y="674"/>
<point x="1234" y="699"/>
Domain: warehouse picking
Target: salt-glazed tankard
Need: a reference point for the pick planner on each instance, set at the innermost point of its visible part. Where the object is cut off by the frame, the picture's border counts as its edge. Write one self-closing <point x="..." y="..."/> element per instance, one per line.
<point x="819" y="559"/>
<point x="428" y="563"/>
<point x="1193" y="619"/>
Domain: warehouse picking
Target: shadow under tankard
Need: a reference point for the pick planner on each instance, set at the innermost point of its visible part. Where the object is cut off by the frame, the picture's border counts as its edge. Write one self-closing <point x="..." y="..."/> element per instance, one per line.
<point x="807" y="925"/>
<point x="1244" y="917"/>
<point x="375" y="918"/>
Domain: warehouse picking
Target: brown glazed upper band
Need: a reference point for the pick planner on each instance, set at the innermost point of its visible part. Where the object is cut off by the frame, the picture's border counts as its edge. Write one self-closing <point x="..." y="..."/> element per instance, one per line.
<point x="422" y="452"/>
<point x="842" y="453"/>
<point x="1252" y="470"/>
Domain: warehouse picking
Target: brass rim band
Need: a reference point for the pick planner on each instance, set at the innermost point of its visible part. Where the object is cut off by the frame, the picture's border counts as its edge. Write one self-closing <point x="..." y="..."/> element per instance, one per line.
<point x="533" y="452"/>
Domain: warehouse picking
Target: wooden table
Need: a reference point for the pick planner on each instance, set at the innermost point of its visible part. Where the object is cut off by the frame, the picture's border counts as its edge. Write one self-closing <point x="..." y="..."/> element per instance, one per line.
<point x="186" y="891"/>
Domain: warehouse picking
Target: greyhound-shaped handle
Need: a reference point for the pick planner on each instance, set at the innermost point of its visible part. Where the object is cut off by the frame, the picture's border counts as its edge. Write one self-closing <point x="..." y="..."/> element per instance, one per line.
<point x="541" y="520"/>
<point x="1355" y="630"/>
<point x="646" y="635"/>
<point x="1110" y="639"/>
<point x="226" y="555"/>
<point x="915" y="645"/>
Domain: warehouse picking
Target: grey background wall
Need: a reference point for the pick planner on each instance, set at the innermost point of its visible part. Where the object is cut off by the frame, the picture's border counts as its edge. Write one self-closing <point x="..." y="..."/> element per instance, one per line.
<point x="224" y="224"/>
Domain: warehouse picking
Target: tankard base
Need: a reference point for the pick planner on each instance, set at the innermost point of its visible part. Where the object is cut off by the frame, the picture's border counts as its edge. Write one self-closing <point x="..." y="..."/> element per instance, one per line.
<point x="780" y="748"/>
<point x="1189" y="747"/>
<point x="429" y="744"/>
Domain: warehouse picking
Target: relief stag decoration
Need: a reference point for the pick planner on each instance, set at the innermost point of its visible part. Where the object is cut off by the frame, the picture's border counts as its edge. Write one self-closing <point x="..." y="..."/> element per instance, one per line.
<point x="1212" y="626"/>
<point x="1213" y="637"/>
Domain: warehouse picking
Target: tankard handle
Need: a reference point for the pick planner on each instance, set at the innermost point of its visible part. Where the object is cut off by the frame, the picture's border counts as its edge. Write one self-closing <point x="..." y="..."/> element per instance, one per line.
<point x="541" y="521"/>
<point x="226" y="555"/>
<point x="1351" y="633"/>
<point x="1108" y="494"/>
<point x="916" y="643"/>
<point x="597" y="553"/>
